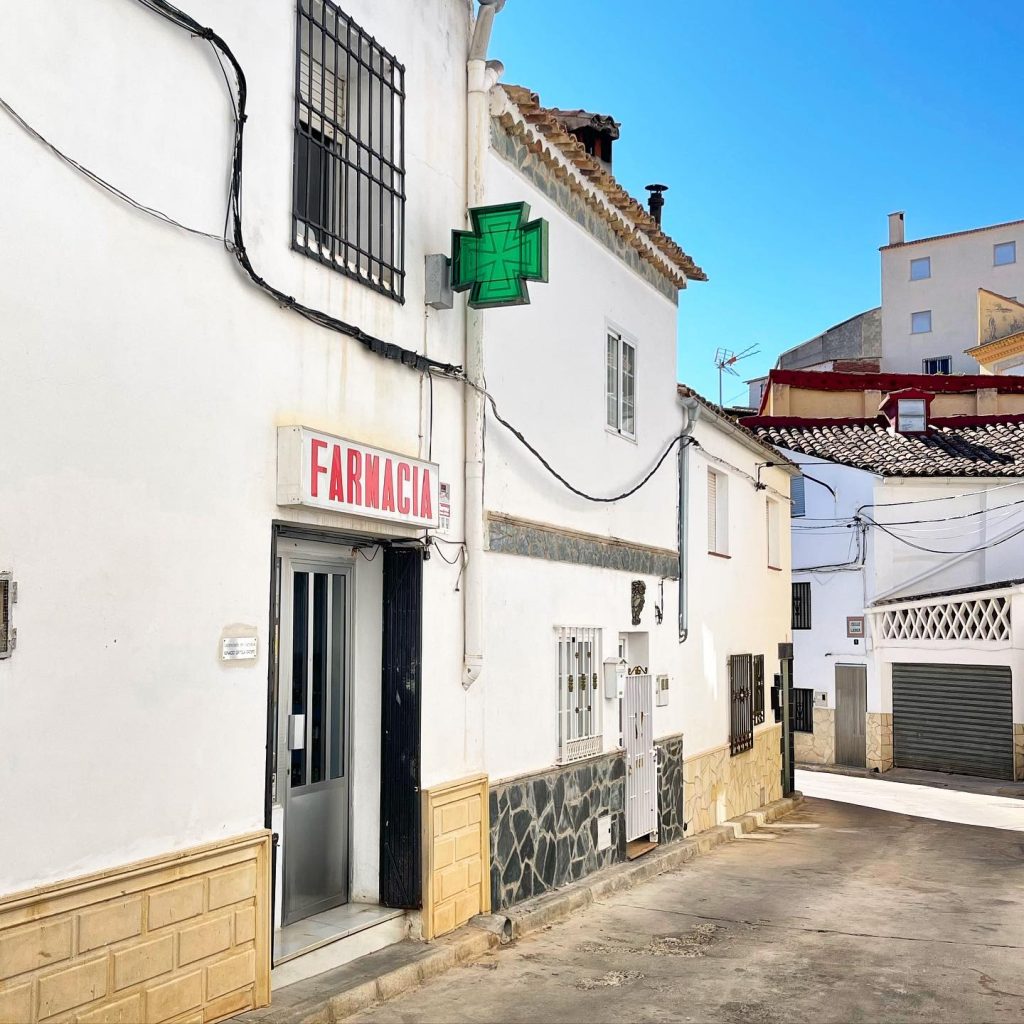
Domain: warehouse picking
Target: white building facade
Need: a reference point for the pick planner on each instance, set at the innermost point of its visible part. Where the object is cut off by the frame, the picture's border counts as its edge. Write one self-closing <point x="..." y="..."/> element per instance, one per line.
<point x="908" y="649"/>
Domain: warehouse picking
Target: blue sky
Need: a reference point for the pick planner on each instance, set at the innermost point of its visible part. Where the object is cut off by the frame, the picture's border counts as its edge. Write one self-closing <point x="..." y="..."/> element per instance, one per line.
<point x="787" y="132"/>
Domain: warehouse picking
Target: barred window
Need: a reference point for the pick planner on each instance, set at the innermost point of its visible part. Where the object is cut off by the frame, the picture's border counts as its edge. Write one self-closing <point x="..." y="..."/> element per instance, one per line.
<point x="579" y="699"/>
<point x="758" y="689"/>
<point x="801" y="606"/>
<point x="349" y="170"/>
<point x="741" y="719"/>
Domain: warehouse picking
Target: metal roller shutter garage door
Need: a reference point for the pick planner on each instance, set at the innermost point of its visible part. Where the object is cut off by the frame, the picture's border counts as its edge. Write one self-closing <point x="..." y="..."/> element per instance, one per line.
<point x="953" y="718"/>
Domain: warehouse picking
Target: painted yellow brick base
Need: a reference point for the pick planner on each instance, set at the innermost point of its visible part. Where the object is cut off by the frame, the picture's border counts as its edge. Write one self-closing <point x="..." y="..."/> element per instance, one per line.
<point x="181" y="938"/>
<point x="717" y="787"/>
<point x="456" y="843"/>
<point x="1018" y="751"/>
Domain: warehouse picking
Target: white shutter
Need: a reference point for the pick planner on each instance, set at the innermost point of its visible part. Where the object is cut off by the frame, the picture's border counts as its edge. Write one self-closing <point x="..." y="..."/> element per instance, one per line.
<point x="712" y="510"/>
<point x="320" y="94"/>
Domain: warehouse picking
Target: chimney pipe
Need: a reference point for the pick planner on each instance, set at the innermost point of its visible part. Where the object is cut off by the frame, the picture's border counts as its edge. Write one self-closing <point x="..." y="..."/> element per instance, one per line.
<point x="656" y="201"/>
<point x="896" y="228"/>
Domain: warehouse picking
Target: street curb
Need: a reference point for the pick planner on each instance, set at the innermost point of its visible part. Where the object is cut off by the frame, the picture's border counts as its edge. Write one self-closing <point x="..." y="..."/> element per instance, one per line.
<point x="489" y="931"/>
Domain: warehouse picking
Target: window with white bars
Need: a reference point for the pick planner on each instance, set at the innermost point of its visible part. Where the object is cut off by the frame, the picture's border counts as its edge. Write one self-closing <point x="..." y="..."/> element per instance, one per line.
<point x="8" y="595"/>
<point x="579" y="693"/>
<point x="620" y="385"/>
<point x="986" y="618"/>
<point x="771" y="513"/>
<point x="349" y="169"/>
<point x="718" y="513"/>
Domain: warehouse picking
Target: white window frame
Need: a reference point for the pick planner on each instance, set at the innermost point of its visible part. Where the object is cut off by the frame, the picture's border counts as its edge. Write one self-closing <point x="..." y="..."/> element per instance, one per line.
<point x="925" y="261"/>
<point x="773" y="533"/>
<point x="580" y="729"/>
<point x="935" y="359"/>
<point x="617" y="386"/>
<point x="913" y="325"/>
<point x="1011" y="246"/>
<point x="718" y="513"/>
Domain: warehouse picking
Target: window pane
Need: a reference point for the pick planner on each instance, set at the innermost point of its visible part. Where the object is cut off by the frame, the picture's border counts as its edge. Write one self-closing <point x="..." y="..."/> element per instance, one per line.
<point x="338" y="667"/>
<point x="1003" y="253"/>
<point x="318" y="689"/>
<point x="921" y="323"/>
<point x="612" y="382"/>
<point x="300" y="640"/>
<point x="921" y="268"/>
<point x="628" y="389"/>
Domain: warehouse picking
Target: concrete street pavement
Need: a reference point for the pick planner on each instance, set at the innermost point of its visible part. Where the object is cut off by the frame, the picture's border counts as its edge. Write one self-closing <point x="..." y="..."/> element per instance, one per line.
<point x="984" y="808"/>
<point x="837" y="913"/>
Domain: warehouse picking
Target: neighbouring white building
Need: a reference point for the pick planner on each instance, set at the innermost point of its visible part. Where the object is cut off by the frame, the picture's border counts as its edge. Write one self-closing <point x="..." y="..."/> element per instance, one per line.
<point x="936" y="315"/>
<point x="303" y="650"/>
<point x="908" y="559"/>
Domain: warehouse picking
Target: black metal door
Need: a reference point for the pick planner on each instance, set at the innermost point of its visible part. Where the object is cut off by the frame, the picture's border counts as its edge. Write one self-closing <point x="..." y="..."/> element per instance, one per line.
<point x="953" y="718"/>
<point x="400" y="853"/>
<point x="787" y="707"/>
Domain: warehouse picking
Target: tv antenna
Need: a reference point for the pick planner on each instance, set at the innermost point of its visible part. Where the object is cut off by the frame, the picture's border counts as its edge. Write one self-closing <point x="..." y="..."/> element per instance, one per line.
<point x="726" y="360"/>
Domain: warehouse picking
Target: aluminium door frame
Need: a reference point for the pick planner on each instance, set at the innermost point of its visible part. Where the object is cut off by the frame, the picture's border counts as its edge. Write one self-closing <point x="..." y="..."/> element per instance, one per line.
<point x="313" y="556"/>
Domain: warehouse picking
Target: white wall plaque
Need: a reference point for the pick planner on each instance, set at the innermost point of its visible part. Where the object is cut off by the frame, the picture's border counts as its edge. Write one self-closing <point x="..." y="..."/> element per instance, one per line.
<point x="238" y="648"/>
<point x="326" y="472"/>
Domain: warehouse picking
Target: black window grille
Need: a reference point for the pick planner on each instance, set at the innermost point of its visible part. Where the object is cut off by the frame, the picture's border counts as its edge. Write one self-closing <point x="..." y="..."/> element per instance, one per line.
<point x="801" y="606"/>
<point x="803" y="710"/>
<point x="741" y="727"/>
<point x="758" y="689"/>
<point x="349" y="166"/>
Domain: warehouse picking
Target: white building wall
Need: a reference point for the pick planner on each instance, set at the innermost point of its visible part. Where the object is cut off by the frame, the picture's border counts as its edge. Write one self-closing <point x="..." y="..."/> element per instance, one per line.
<point x="145" y="378"/>
<point x="960" y="265"/>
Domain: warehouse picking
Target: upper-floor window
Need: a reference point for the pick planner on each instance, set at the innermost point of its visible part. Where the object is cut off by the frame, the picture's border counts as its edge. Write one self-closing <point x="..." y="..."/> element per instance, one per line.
<point x="349" y="172"/>
<point x="801" y="606"/>
<point x="772" y="529"/>
<point x="718" y="513"/>
<point x="797" y="495"/>
<point x="921" y="268"/>
<point x="620" y="385"/>
<point x="1003" y="253"/>
<point x="921" y="322"/>
<point x="938" y="364"/>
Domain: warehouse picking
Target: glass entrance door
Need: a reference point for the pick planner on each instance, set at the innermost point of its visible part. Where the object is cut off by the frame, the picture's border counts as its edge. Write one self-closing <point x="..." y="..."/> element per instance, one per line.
<point x="314" y="736"/>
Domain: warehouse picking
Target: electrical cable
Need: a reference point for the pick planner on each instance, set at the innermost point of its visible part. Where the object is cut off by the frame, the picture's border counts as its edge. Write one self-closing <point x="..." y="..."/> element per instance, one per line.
<point x="103" y="183"/>
<point x="943" y="551"/>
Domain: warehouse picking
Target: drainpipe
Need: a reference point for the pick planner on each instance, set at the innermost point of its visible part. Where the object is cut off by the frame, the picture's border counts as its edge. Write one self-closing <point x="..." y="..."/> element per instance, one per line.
<point x="481" y="76"/>
<point x="691" y="410"/>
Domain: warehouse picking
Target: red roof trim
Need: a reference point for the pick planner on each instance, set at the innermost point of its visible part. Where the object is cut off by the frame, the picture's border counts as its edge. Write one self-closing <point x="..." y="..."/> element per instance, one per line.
<point x="753" y="422"/>
<point x="829" y="380"/>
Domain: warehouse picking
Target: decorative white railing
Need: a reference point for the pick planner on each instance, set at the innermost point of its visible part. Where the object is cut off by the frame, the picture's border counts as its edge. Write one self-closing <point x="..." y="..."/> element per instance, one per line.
<point x="983" y="618"/>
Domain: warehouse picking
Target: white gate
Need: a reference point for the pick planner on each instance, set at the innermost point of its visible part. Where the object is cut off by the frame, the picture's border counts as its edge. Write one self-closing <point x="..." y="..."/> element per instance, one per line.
<point x="641" y="758"/>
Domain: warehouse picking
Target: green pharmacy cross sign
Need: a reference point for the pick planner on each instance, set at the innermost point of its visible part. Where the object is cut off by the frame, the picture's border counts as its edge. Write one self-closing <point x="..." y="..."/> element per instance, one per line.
<point x="500" y="254"/>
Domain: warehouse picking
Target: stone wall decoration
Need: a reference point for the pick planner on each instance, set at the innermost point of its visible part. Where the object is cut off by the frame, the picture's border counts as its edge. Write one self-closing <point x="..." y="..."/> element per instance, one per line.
<point x="671" y="818"/>
<point x="544" y="827"/>
<point x="639" y="596"/>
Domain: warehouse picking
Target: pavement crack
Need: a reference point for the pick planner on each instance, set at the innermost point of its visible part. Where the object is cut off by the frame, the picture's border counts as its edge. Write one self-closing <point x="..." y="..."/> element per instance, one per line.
<point x="824" y="931"/>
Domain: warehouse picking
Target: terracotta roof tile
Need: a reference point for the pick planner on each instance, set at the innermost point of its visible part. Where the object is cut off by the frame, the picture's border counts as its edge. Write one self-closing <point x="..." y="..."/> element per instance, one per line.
<point x="987" y="447"/>
<point x="549" y="123"/>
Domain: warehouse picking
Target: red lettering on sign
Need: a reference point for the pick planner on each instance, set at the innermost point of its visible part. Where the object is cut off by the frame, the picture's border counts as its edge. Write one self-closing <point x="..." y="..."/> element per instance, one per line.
<point x="317" y="469"/>
<point x="416" y="491"/>
<point x="337" y="491"/>
<point x="426" y="503"/>
<point x="355" y="468"/>
<point x="403" y="480"/>
<point x="371" y="480"/>
<point x="388" y="501"/>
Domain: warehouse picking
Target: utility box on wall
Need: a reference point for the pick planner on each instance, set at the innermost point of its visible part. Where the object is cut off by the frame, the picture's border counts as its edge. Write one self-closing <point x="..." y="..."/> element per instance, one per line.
<point x="661" y="691"/>
<point x="614" y="677"/>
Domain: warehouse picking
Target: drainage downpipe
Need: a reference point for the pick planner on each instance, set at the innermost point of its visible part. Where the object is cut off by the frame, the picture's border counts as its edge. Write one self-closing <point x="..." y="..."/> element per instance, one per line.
<point x="481" y="76"/>
<point x="691" y="410"/>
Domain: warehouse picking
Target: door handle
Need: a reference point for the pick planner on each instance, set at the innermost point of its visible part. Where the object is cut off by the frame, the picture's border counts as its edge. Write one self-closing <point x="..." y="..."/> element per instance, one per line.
<point x="296" y="732"/>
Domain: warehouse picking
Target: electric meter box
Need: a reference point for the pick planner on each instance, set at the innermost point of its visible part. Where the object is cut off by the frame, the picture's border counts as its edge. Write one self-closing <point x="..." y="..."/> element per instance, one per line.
<point x="661" y="691"/>
<point x="614" y="677"/>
